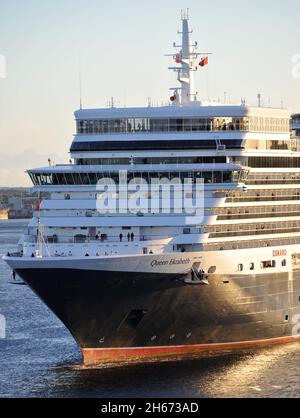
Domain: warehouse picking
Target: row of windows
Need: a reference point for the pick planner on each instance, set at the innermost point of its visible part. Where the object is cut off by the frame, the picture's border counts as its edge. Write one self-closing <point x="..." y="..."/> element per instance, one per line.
<point x="260" y="226"/>
<point x="136" y="125"/>
<point x="258" y="215"/>
<point x="252" y="243"/>
<point x="276" y="178"/>
<point x="264" y="144"/>
<point x="160" y="125"/>
<point x="198" y="144"/>
<point x="274" y="162"/>
<point x="261" y="124"/>
<point x="263" y="265"/>
<point x="154" y="145"/>
<point x="254" y="232"/>
<point x="273" y="176"/>
<point x="151" y="160"/>
<point x="264" y="193"/>
<point x="263" y="199"/>
<point x="260" y="210"/>
<point x="43" y="179"/>
<point x="274" y="181"/>
<point x="185" y="144"/>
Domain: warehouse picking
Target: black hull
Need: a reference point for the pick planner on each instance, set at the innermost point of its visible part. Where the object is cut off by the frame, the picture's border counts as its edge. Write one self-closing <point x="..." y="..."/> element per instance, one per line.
<point x="114" y="310"/>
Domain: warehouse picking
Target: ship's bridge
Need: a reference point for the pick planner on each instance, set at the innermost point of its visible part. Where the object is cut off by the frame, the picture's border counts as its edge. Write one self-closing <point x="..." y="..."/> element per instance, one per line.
<point x="78" y="175"/>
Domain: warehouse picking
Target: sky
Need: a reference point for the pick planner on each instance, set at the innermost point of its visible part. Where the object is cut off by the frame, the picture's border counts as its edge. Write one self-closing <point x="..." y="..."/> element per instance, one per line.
<point x="120" y="46"/>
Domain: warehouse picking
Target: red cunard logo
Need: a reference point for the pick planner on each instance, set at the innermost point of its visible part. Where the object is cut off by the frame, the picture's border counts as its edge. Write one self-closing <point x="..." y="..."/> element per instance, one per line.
<point x="279" y="253"/>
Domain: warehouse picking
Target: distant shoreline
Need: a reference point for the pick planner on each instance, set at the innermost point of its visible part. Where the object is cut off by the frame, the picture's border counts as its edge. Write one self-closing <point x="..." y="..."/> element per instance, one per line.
<point x="14" y="220"/>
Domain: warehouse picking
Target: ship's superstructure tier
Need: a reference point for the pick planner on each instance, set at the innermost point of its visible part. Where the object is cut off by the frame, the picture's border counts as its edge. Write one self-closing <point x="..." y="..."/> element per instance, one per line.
<point x="185" y="178"/>
<point x="244" y="157"/>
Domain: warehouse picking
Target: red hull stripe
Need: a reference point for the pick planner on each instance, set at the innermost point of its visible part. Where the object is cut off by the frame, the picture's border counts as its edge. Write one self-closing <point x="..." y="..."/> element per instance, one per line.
<point x="100" y="355"/>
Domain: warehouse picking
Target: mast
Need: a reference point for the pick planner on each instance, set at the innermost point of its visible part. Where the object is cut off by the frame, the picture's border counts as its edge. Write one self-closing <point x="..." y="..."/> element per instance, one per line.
<point x="186" y="59"/>
<point x="186" y="73"/>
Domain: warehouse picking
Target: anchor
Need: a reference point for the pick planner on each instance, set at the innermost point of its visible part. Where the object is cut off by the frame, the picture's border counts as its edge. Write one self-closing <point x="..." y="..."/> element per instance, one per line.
<point x="196" y="276"/>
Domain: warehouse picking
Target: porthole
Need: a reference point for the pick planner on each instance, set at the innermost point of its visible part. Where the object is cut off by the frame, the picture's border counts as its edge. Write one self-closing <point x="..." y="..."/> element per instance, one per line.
<point x="240" y="267"/>
<point x="283" y="263"/>
<point x="286" y="318"/>
<point x="251" y="266"/>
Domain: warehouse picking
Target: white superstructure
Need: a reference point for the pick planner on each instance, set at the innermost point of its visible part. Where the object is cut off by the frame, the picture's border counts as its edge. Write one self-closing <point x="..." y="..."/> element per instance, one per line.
<point x="246" y="156"/>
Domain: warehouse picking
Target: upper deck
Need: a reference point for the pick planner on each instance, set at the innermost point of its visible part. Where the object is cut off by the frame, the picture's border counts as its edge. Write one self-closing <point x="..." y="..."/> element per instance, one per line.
<point x="185" y="124"/>
<point x="177" y="127"/>
<point x="182" y="118"/>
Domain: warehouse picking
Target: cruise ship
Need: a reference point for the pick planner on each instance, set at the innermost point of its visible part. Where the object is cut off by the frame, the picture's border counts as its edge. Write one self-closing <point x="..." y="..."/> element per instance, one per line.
<point x="140" y="280"/>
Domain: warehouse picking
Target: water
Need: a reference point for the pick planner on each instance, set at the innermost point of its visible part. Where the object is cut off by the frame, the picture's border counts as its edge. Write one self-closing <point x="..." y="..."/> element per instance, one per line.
<point x="37" y="358"/>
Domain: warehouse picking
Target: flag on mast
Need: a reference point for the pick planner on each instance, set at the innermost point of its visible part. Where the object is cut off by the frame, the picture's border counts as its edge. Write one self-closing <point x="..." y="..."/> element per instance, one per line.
<point x="203" y="62"/>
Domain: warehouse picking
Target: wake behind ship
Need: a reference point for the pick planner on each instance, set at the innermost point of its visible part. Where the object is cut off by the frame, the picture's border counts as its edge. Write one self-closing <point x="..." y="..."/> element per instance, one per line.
<point x="140" y="280"/>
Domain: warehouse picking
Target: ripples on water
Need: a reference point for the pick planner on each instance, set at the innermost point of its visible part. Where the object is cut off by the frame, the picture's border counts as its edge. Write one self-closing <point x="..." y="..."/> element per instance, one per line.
<point x="37" y="356"/>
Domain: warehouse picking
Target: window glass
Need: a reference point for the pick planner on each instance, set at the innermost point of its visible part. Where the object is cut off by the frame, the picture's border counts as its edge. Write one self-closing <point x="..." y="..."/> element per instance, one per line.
<point x="222" y="123"/>
<point x="267" y="264"/>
